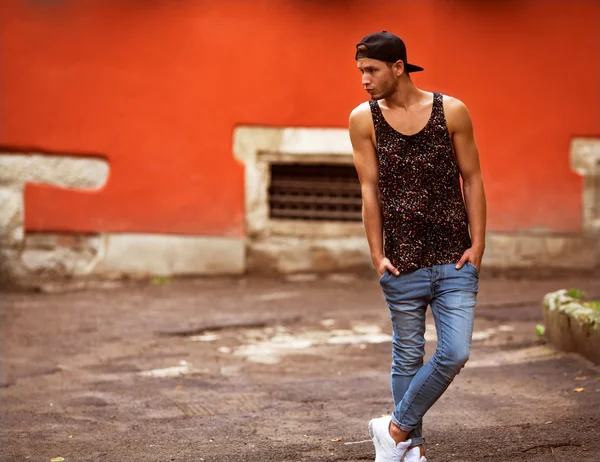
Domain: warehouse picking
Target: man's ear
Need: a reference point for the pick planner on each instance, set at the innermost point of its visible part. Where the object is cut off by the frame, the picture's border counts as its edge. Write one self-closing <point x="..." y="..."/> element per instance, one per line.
<point x="399" y="67"/>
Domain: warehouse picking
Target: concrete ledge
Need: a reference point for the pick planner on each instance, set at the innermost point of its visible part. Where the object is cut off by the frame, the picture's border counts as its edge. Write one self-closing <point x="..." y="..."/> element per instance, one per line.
<point x="278" y="254"/>
<point x="572" y="326"/>
<point x="155" y="254"/>
<point x="45" y="257"/>
<point x="65" y="171"/>
<point x="535" y="250"/>
<point x="282" y="252"/>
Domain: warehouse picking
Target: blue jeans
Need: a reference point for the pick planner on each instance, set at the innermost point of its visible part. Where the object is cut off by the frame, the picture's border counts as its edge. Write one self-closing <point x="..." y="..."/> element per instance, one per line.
<point x="452" y="295"/>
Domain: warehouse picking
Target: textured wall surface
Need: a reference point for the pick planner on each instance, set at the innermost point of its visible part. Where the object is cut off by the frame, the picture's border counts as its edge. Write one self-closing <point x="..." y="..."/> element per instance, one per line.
<point x="157" y="88"/>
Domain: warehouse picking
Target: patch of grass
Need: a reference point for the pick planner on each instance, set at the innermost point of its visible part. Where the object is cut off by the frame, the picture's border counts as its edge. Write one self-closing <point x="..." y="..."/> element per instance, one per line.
<point x="540" y="329"/>
<point x="576" y="293"/>
<point x="159" y="280"/>
<point x="594" y="304"/>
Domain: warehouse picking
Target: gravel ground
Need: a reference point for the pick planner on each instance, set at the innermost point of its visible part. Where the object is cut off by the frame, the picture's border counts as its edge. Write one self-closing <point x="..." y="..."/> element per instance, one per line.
<point x="259" y="370"/>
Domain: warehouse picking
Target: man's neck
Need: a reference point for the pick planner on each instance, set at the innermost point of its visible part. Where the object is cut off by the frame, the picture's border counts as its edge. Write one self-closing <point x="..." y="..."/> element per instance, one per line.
<point x="406" y="95"/>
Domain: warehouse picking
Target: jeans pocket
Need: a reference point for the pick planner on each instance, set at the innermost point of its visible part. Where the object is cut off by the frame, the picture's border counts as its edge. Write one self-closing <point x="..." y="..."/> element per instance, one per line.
<point x="384" y="276"/>
<point x="471" y="265"/>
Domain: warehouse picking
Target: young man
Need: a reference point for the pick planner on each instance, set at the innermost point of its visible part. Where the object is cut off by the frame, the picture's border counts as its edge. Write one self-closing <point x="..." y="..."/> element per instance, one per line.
<point x="411" y="147"/>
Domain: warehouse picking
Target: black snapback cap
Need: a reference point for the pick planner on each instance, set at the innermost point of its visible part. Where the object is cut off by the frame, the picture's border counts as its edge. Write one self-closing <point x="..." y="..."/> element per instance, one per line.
<point x="385" y="47"/>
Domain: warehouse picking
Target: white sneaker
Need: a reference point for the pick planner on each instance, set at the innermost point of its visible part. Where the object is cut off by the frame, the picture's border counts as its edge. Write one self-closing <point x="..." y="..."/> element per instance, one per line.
<point x="386" y="449"/>
<point x="414" y="455"/>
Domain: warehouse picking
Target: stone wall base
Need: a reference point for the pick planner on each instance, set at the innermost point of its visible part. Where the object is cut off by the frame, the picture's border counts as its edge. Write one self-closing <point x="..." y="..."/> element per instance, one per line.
<point x="58" y="257"/>
<point x="572" y="327"/>
<point x="520" y="252"/>
<point x="63" y="256"/>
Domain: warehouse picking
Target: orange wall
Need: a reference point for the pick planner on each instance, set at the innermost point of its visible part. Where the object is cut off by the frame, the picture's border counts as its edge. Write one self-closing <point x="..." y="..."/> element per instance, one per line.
<point x="157" y="88"/>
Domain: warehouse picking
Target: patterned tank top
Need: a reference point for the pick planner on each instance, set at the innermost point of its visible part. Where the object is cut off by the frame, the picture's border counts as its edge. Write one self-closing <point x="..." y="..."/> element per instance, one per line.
<point x="424" y="217"/>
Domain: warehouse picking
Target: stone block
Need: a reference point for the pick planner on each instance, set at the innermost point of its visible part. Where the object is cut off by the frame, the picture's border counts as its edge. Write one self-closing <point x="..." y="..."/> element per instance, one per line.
<point x="585" y="160"/>
<point x="541" y="250"/>
<point x="571" y="326"/>
<point x="294" y="255"/>
<point x="61" y="255"/>
<point x="11" y="217"/>
<point x="64" y="171"/>
<point x="162" y="254"/>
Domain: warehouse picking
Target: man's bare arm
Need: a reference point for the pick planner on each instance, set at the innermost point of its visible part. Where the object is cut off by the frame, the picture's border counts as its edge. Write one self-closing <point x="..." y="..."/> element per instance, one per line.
<point x="467" y="155"/>
<point x="367" y="167"/>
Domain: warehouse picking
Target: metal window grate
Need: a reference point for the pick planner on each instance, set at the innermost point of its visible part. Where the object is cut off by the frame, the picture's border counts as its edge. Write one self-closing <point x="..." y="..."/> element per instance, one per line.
<point x="315" y="192"/>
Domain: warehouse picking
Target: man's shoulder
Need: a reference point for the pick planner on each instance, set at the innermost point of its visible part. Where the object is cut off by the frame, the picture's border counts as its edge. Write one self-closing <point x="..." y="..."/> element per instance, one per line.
<point x="456" y="113"/>
<point x="361" y="119"/>
<point x="453" y="104"/>
<point x="361" y="110"/>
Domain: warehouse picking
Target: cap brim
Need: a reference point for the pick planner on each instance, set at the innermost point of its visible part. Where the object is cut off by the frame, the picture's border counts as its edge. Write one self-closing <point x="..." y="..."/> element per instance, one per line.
<point x="413" y="68"/>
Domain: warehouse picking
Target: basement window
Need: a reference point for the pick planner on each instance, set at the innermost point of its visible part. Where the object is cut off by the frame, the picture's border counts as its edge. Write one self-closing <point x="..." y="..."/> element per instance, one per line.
<point x="315" y="193"/>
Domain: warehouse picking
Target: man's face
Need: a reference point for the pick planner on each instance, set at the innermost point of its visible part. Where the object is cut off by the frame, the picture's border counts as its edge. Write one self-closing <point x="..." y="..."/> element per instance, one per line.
<point x="377" y="78"/>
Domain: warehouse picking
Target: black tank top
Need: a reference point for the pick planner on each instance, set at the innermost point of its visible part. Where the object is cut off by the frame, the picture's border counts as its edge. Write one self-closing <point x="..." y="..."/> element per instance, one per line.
<point x="424" y="217"/>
